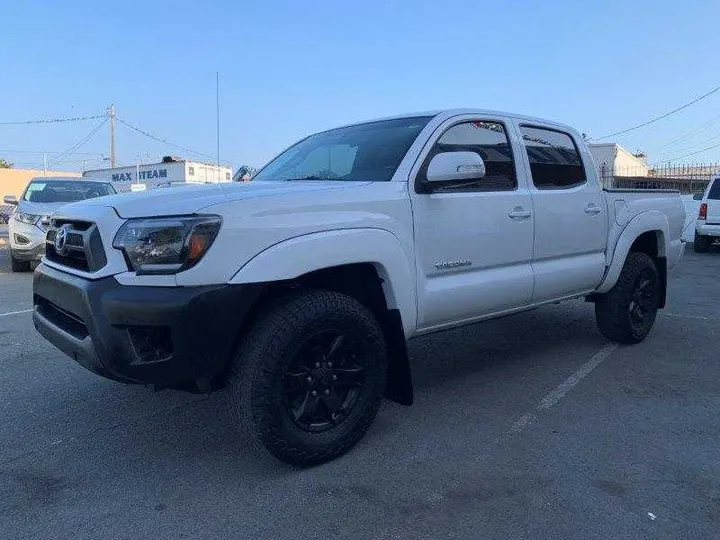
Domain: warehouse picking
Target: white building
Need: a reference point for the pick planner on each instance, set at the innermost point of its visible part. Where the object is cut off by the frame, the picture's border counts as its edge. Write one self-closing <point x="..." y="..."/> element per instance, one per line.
<point x="612" y="160"/>
<point x="170" y="169"/>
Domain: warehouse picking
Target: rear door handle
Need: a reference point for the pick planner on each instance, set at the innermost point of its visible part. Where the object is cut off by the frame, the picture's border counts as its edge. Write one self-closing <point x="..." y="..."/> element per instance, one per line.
<point x="519" y="213"/>
<point x="592" y="209"/>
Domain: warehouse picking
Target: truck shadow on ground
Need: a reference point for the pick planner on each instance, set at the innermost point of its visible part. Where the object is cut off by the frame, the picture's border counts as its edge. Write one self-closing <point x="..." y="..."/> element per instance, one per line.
<point x="464" y="359"/>
<point x="494" y="345"/>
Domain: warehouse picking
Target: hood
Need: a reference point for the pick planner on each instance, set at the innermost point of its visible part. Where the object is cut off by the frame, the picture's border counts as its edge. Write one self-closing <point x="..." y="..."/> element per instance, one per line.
<point x="39" y="209"/>
<point x="191" y="199"/>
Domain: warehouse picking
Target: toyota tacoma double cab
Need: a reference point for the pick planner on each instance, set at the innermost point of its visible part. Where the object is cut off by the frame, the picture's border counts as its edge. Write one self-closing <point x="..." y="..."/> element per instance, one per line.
<point x="299" y="290"/>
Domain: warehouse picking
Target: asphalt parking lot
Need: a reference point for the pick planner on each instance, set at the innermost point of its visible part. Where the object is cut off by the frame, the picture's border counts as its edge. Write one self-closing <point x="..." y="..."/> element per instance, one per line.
<point x="532" y="426"/>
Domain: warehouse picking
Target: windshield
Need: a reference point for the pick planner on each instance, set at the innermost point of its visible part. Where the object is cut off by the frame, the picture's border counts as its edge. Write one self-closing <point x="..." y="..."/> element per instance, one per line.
<point x="366" y="152"/>
<point x="65" y="191"/>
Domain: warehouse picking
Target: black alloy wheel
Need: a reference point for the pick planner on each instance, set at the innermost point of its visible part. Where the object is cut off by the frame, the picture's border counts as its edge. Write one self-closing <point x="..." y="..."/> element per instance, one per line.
<point x="324" y="380"/>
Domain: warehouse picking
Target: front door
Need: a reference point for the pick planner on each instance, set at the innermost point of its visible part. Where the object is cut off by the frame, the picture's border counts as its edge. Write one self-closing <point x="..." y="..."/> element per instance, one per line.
<point x="474" y="240"/>
<point x="570" y="215"/>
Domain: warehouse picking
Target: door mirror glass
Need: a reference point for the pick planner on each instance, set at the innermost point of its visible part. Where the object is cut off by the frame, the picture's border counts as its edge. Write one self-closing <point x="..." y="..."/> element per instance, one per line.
<point x="697" y="197"/>
<point x="10" y="199"/>
<point x="455" y="166"/>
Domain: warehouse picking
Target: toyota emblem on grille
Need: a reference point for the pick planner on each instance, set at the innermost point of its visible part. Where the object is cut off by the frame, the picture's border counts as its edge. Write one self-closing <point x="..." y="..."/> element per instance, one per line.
<point x="61" y="238"/>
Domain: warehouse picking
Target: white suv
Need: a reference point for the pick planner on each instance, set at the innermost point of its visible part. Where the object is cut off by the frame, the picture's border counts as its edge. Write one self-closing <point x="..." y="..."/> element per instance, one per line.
<point x="707" y="229"/>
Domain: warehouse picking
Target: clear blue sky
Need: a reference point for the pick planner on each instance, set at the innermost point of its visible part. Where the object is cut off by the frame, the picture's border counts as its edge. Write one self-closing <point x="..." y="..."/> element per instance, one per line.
<point x="290" y="68"/>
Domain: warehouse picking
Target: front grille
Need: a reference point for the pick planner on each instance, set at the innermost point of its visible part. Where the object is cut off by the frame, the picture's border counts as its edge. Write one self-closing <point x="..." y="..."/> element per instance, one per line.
<point x="62" y="318"/>
<point x="81" y="249"/>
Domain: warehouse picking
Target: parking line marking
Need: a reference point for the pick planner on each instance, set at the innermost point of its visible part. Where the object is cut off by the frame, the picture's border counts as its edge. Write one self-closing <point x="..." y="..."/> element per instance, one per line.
<point x="560" y="391"/>
<point x="693" y="317"/>
<point x="15" y="312"/>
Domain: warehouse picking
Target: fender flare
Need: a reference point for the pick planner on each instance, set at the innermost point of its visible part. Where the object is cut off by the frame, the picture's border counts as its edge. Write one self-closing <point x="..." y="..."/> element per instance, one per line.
<point x="652" y="221"/>
<point x="300" y="255"/>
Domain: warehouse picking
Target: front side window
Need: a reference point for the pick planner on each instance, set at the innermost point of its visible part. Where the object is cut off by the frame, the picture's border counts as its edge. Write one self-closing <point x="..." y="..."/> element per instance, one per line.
<point x="54" y="191"/>
<point x="490" y="141"/>
<point x="369" y="152"/>
<point x="555" y="161"/>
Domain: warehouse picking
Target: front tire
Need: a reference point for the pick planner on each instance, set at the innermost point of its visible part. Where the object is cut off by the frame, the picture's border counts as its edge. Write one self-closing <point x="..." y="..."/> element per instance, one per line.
<point x="16" y="265"/>
<point x="701" y="244"/>
<point x="309" y="377"/>
<point x="627" y="312"/>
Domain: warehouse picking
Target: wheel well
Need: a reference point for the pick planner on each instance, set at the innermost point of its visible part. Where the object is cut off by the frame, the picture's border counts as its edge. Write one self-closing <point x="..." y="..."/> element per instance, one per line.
<point x="362" y="282"/>
<point x="651" y="243"/>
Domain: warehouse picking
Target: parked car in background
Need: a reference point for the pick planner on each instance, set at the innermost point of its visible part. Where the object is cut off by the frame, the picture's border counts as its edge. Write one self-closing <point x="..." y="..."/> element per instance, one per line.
<point x="5" y="211"/>
<point x="298" y="290"/>
<point x="707" y="227"/>
<point x="29" y="220"/>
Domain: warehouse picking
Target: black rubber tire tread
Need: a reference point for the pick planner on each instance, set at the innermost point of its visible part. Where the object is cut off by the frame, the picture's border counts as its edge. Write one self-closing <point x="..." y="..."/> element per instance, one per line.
<point x="612" y="309"/>
<point x="252" y="380"/>
<point x="16" y="265"/>
<point x="701" y="244"/>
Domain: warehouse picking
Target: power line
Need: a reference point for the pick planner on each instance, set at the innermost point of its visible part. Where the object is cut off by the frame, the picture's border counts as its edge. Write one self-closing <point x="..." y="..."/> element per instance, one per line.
<point x="164" y="141"/>
<point x="690" y="134"/>
<point x="80" y="143"/>
<point x="41" y="152"/>
<point x="691" y="148"/>
<point x="52" y="120"/>
<point x="653" y="120"/>
<point x="692" y="153"/>
<point x="66" y="153"/>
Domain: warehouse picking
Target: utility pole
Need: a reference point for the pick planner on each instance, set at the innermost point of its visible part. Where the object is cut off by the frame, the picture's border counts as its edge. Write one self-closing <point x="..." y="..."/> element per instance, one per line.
<point x="111" y="114"/>
<point x="44" y="165"/>
<point x="217" y="107"/>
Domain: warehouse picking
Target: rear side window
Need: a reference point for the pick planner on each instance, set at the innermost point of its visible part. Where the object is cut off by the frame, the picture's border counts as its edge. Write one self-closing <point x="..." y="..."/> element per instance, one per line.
<point x="555" y="161"/>
<point x="490" y="141"/>
<point x="714" y="192"/>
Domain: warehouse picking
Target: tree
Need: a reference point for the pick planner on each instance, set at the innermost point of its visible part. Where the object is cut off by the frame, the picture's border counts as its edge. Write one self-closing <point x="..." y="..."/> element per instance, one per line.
<point x="4" y="164"/>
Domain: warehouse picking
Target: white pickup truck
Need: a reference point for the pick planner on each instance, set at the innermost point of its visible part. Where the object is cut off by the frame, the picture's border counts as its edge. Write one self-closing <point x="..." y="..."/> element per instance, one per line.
<point x="298" y="290"/>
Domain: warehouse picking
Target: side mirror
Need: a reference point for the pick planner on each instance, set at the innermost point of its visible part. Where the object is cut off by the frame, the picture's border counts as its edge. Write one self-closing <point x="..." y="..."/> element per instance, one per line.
<point x="697" y="197"/>
<point x="455" y="166"/>
<point x="10" y="199"/>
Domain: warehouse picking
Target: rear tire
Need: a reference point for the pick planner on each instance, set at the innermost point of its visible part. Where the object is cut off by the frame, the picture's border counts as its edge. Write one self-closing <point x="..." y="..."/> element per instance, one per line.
<point x="701" y="244"/>
<point x="627" y="312"/>
<point x="16" y="265"/>
<point x="309" y="377"/>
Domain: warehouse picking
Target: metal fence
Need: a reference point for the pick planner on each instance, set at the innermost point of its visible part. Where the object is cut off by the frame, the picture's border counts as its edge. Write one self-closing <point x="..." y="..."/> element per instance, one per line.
<point x="687" y="178"/>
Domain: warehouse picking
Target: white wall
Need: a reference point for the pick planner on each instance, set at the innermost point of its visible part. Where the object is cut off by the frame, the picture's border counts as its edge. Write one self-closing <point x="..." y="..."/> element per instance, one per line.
<point x="603" y="154"/>
<point x="202" y="172"/>
<point x="617" y="161"/>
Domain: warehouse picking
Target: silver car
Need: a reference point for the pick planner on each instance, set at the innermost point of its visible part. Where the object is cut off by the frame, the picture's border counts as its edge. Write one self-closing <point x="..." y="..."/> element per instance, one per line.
<point x="29" y="220"/>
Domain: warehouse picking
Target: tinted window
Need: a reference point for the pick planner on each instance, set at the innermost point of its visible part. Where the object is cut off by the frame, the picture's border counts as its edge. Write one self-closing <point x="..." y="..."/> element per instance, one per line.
<point x="365" y="152"/>
<point x="65" y="191"/>
<point x="490" y="141"/>
<point x="714" y="192"/>
<point x="554" y="159"/>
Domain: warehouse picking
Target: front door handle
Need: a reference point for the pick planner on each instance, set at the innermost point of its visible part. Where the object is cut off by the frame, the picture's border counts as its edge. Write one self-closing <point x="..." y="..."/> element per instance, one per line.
<point x="519" y="213"/>
<point x="592" y="209"/>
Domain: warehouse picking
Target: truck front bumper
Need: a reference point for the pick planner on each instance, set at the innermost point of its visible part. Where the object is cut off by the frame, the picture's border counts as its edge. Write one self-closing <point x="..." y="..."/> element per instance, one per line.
<point x="165" y="336"/>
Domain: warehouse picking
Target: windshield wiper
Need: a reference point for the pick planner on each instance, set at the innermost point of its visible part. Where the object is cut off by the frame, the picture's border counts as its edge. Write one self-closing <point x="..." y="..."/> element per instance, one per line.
<point x="311" y="177"/>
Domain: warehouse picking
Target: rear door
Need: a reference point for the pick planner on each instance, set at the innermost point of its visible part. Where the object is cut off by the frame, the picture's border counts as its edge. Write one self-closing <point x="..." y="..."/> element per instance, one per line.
<point x="713" y="203"/>
<point x="570" y="214"/>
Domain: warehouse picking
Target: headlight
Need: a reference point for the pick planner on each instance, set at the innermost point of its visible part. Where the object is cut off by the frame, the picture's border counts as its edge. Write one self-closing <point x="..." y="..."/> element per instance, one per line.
<point x="166" y="245"/>
<point x="44" y="223"/>
<point x="30" y="219"/>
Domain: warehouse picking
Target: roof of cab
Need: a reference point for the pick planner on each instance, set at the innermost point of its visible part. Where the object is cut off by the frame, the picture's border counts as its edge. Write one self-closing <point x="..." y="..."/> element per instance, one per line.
<point x="449" y="113"/>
